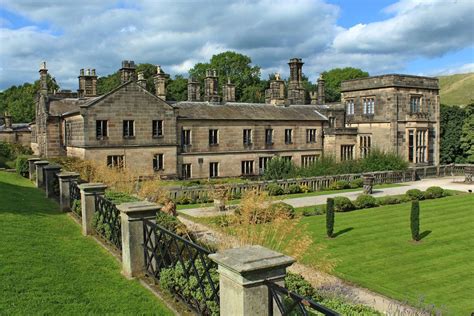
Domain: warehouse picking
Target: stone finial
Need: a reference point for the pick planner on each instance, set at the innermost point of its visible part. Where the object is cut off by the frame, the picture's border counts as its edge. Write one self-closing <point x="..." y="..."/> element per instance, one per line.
<point x="158" y="69"/>
<point x="277" y="76"/>
<point x="141" y="76"/>
<point x="43" y="66"/>
<point x="81" y="72"/>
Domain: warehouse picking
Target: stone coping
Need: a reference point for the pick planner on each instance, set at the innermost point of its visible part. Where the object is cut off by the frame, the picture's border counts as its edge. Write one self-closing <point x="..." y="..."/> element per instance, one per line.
<point x="41" y="162"/>
<point x="68" y="174"/>
<point x="138" y="207"/>
<point x="34" y="159"/>
<point x="52" y="167"/>
<point x="92" y="187"/>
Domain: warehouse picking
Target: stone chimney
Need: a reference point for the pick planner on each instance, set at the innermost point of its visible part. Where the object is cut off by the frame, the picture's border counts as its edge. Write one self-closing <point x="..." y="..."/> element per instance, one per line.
<point x="43" y="79"/>
<point x="314" y="97"/>
<point x="87" y="83"/>
<point x="321" y="89"/>
<point x="194" y="90"/>
<point x="127" y="72"/>
<point x="8" y="121"/>
<point x="210" y="86"/>
<point x="141" y="80"/>
<point x="296" y="92"/>
<point x="228" y="91"/>
<point x="160" y="83"/>
<point x="276" y="93"/>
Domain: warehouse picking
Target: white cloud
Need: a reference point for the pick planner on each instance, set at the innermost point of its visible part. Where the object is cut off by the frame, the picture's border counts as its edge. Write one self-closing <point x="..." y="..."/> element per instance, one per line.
<point x="462" y="69"/>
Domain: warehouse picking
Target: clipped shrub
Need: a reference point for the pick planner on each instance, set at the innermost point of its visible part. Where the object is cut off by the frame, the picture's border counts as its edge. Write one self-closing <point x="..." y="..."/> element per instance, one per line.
<point x="434" y="192"/>
<point x="330" y="217"/>
<point x="21" y="164"/>
<point x="342" y="204"/>
<point x="282" y="210"/>
<point x="296" y="283"/>
<point x="294" y="189"/>
<point x="274" y="189"/>
<point x="389" y="200"/>
<point x="365" y="201"/>
<point x="339" y="185"/>
<point x="415" y="194"/>
<point x="415" y="220"/>
<point x="357" y="183"/>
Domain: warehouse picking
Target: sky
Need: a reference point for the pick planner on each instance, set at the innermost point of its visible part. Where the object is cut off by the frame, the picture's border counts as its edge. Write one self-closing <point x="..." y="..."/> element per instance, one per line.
<point x="419" y="37"/>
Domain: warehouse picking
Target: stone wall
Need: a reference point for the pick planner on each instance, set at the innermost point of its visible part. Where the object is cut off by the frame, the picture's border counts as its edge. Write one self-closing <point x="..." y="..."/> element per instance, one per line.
<point x="23" y="137"/>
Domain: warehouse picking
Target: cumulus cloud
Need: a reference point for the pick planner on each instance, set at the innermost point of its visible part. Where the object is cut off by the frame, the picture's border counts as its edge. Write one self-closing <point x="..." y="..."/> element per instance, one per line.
<point x="178" y="34"/>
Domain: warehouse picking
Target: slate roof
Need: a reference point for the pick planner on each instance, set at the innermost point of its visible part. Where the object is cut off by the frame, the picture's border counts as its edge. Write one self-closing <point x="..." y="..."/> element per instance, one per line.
<point x="60" y="106"/>
<point x="247" y="111"/>
<point x="17" y="127"/>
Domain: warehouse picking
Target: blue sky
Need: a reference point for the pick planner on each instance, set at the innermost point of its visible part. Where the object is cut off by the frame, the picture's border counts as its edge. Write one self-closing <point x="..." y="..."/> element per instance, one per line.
<point x="421" y="37"/>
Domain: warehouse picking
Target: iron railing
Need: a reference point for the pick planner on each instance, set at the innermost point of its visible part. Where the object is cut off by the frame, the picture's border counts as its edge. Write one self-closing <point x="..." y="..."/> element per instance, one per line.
<point x="164" y="249"/>
<point x="106" y="221"/>
<point x="74" y="195"/>
<point x="290" y="303"/>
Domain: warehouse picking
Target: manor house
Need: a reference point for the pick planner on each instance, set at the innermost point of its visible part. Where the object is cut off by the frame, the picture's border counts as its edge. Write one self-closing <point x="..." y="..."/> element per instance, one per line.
<point x="211" y="135"/>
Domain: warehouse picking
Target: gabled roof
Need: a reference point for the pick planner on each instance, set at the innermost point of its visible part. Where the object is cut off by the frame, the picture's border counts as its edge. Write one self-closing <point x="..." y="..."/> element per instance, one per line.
<point x="247" y="111"/>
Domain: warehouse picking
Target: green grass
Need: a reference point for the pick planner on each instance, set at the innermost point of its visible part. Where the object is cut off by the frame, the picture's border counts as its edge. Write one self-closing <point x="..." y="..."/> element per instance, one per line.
<point x="456" y="89"/>
<point x="373" y="249"/>
<point x="48" y="267"/>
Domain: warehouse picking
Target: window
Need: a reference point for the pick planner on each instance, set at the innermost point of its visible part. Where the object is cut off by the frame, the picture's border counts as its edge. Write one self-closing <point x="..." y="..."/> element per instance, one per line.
<point x="347" y="152"/>
<point x="415" y="104"/>
<point x="269" y="136"/>
<point x="350" y="107"/>
<point x="332" y="121"/>
<point x="67" y="133"/>
<point x="262" y="163"/>
<point x="158" y="162"/>
<point x="213" y="137"/>
<point x="311" y="135"/>
<point x="101" y="129"/>
<point x="247" y="137"/>
<point x="417" y="146"/>
<point x="157" y="128"/>
<point x="186" y="137"/>
<point x="287" y="158"/>
<point x="288" y="136"/>
<point x="115" y="161"/>
<point x="213" y="169"/>
<point x="247" y="167"/>
<point x="128" y="128"/>
<point x="365" y="142"/>
<point x="411" y="144"/>
<point x="186" y="171"/>
<point x="308" y="160"/>
<point x="369" y="104"/>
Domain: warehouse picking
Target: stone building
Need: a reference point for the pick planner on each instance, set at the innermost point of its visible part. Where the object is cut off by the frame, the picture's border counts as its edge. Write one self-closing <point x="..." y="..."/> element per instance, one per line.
<point x="19" y="133"/>
<point x="218" y="137"/>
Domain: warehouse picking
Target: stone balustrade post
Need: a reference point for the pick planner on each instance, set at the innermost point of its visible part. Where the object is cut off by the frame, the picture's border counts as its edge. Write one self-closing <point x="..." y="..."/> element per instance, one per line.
<point x="88" y="193"/>
<point x="242" y="272"/>
<point x="65" y="179"/>
<point x="368" y="183"/>
<point x="131" y="218"/>
<point x="39" y="165"/>
<point x="50" y="180"/>
<point x="469" y="174"/>
<point x="31" y="167"/>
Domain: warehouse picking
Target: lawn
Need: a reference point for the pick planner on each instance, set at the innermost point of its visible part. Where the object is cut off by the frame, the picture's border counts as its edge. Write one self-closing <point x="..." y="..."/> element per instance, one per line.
<point x="373" y="249"/>
<point x="48" y="267"/>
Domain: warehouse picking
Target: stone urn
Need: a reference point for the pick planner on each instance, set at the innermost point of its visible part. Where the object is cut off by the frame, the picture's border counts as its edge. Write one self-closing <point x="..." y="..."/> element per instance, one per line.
<point x="368" y="183"/>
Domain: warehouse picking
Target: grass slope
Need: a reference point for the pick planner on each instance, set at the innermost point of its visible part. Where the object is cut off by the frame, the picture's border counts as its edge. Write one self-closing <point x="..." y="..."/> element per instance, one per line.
<point x="48" y="267"/>
<point x="373" y="249"/>
<point x="457" y="89"/>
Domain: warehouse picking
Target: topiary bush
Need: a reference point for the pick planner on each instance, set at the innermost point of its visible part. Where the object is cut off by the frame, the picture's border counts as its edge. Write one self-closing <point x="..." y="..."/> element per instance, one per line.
<point x="330" y="217"/>
<point x="389" y="200"/>
<point x="415" y="220"/>
<point x="343" y="204"/>
<point x="294" y="189"/>
<point x="339" y="185"/>
<point x="434" y="192"/>
<point x="274" y="189"/>
<point x="365" y="201"/>
<point x="357" y="183"/>
<point x="21" y="164"/>
<point x="415" y="194"/>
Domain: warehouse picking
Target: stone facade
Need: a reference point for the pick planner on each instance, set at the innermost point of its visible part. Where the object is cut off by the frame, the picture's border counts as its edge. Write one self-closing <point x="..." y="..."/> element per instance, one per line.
<point x="131" y="127"/>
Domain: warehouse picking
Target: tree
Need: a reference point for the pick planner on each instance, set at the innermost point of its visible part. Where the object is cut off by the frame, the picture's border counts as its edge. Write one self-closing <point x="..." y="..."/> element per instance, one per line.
<point x="451" y="121"/>
<point x="177" y="89"/>
<point x="330" y="217"/>
<point x="334" y="77"/>
<point x="108" y="83"/>
<point x="415" y="220"/>
<point x="467" y="134"/>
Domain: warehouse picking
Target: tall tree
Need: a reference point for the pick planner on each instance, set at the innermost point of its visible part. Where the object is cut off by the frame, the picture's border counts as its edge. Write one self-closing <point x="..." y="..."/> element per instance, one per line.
<point x="452" y="119"/>
<point x="334" y="77"/>
<point x="177" y="89"/>
<point x="467" y="134"/>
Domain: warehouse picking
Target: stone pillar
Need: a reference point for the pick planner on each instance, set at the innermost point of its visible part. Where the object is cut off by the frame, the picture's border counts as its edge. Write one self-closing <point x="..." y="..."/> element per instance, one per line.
<point x="65" y="179"/>
<point x="469" y="174"/>
<point x="50" y="179"/>
<point x="39" y="165"/>
<point x="368" y="183"/>
<point x="88" y="193"/>
<point x="131" y="218"/>
<point x="242" y="272"/>
<point x="31" y="167"/>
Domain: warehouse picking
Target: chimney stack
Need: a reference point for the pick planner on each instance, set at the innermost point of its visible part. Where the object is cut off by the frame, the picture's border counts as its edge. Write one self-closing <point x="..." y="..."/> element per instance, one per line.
<point x="127" y="72"/>
<point x="160" y="83"/>
<point x="314" y="97"/>
<point x="8" y="121"/>
<point x="210" y="86"/>
<point x="87" y="83"/>
<point x="321" y="89"/>
<point x="276" y="93"/>
<point x="194" y="90"/>
<point x="43" y="79"/>
<point x="228" y="91"/>
<point x="296" y="92"/>
<point x="141" y="80"/>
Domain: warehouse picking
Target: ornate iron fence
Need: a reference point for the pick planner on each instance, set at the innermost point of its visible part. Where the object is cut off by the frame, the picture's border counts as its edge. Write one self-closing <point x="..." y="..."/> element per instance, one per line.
<point x="290" y="303"/>
<point x="106" y="221"/>
<point x="55" y="187"/>
<point x="74" y="198"/>
<point x="164" y="250"/>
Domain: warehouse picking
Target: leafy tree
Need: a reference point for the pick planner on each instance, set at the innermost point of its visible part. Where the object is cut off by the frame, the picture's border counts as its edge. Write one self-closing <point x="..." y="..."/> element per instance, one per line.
<point x="415" y="220"/>
<point x="334" y="77"/>
<point x="452" y="118"/>
<point x="108" y="83"/>
<point x="177" y="89"/>
<point x="467" y="134"/>
<point x="330" y="217"/>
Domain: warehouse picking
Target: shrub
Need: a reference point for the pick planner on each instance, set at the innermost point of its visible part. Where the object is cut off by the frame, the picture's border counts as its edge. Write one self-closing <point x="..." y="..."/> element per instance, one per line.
<point x="434" y="192"/>
<point x="294" y="189"/>
<point x="357" y="183"/>
<point x="365" y="201"/>
<point x="330" y="217"/>
<point x="415" y="194"/>
<point x="279" y="168"/>
<point x="120" y="197"/>
<point x="5" y="150"/>
<point x="415" y="220"/>
<point x="282" y="210"/>
<point x="296" y="283"/>
<point x="305" y="189"/>
<point x="76" y="207"/>
<point x="172" y="224"/>
<point x="21" y="165"/>
<point x="274" y="189"/>
<point x="388" y="200"/>
<point x="182" y="200"/>
<point x="342" y="204"/>
<point x="339" y="185"/>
